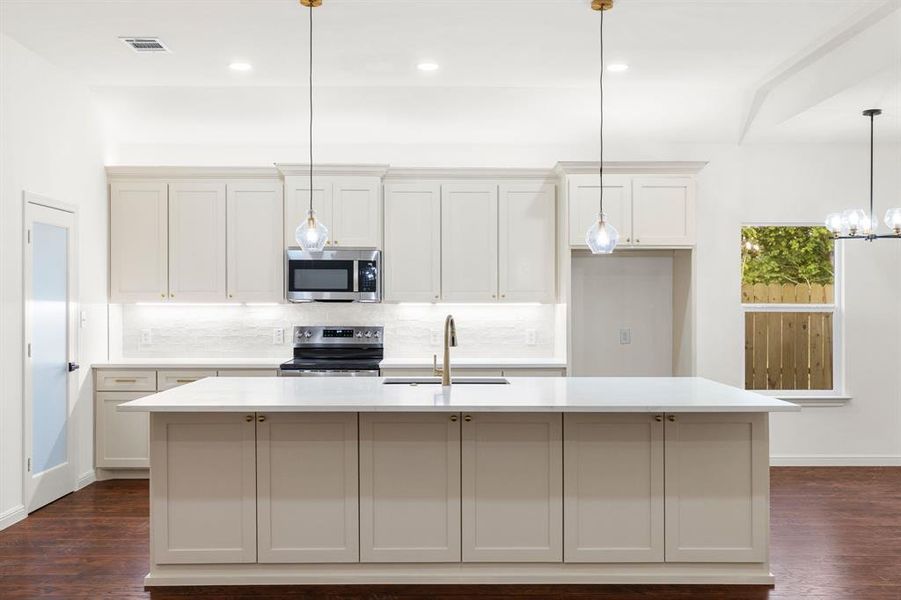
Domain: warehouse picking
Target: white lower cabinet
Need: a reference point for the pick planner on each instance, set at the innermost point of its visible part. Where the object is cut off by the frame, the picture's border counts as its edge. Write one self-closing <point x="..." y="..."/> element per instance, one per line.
<point x="167" y="380"/>
<point x="122" y="438"/>
<point x="307" y="488"/>
<point x="512" y="466"/>
<point x="409" y="487"/>
<point x="717" y="487"/>
<point x="613" y="488"/>
<point x="203" y="489"/>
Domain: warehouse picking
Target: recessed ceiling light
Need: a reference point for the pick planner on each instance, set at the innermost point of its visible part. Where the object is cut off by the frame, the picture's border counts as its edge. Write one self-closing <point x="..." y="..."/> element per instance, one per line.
<point x="240" y="66"/>
<point x="618" y="67"/>
<point x="427" y="66"/>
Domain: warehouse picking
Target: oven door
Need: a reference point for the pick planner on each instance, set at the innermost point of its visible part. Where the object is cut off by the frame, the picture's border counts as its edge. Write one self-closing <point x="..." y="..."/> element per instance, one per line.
<point x="323" y="276"/>
<point x="328" y="373"/>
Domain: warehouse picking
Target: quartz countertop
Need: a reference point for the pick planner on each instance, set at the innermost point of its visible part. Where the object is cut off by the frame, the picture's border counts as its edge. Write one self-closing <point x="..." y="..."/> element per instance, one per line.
<point x="273" y="363"/>
<point x="522" y="394"/>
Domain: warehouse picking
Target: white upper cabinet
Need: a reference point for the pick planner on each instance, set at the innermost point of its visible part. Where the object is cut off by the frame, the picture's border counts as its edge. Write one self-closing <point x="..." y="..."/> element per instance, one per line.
<point x="255" y="270"/>
<point x="139" y="268"/>
<point x="469" y="248"/>
<point x="526" y="242"/>
<point x="412" y="242"/>
<point x="197" y="241"/>
<point x="356" y="213"/>
<point x="663" y="211"/>
<point x="297" y="203"/>
<point x="584" y="205"/>
<point x="350" y="207"/>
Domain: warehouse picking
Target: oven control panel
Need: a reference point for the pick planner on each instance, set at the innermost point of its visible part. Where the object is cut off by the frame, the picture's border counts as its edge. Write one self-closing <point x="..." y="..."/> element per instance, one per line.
<point x="325" y="335"/>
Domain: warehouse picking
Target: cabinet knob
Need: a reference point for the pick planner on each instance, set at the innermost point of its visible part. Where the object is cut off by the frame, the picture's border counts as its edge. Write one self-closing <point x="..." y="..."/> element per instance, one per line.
<point x="172" y="295"/>
<point x="658" y="418"/>
<point x="467" y="418"/>
<point x="261" y="419"/>
<point x="671" y="418"/>
<point x="503" y="295"/>
<point x="162" y="295"/>
<point x="637" y="241"/>
<point x="249" y="418"/>
<point x="231" y="296"/>
<point x="628" y="239"/>
<point x="453" y="418"/>
<point x="494" y="295"/>
<point x="437" y="296"/>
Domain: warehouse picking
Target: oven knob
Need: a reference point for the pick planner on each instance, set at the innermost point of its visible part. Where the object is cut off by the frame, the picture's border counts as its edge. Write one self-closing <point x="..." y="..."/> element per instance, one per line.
<point x="307" y="334"/>
<point x="359" y="334"/>
<point x="369" y="334"/>
<point x="377" y="334"/>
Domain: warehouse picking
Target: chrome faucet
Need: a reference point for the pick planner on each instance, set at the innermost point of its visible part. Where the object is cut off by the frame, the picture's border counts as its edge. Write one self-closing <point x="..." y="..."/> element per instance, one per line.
<point x="450" y="339"/>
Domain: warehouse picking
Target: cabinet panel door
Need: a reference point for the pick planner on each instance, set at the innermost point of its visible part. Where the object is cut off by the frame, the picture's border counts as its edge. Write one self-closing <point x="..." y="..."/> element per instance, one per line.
<point x="297" y="203"/>
<point x="613" y="488"/>
<point x="663" y="211"/>
<point x="197" y="242"/>
<point x="307" y="488"/>
<point x="122" y="438"/>
<point x="469" y="242"/>
<point x="196" y="458"/>
<point x="584" y="202"/>
<point x="512" y="487"/>
<point x="717" y="487"/>
<point x="412" y="242"/>
<point x="139" y="243"/>
<point x="527" y="242"/>
<point x="409" y="487"/>
<point x="254" y="240"/>
<point x="357" y="212"/>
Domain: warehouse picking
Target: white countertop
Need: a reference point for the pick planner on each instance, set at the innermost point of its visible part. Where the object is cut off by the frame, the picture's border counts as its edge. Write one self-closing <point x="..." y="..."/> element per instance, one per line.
<point x="273" y="363"/>
<point x="523" y="394"/>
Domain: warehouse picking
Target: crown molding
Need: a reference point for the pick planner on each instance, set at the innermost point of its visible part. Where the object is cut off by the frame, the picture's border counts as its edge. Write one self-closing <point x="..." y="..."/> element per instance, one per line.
<point x="349" y="170"/>
<point x="631" y="168"/>
<point x="162" y="172"/>
<point x="467" y="173"/>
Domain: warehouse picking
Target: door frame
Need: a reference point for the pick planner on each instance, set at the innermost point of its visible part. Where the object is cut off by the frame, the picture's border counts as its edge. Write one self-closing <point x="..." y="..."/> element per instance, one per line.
<point x="30" y="202"/>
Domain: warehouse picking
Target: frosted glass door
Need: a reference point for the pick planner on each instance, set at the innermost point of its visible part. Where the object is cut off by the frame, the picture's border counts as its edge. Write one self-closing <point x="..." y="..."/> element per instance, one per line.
<point x="50" y="348"/>
<point x="49" y="351"/>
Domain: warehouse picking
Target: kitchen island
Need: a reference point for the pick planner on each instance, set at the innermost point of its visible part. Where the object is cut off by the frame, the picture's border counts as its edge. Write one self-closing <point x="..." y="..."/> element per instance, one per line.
<point x="545" y="480"/>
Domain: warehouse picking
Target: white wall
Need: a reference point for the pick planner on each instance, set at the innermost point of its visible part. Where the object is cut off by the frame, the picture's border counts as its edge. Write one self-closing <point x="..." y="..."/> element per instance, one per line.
<point x="802" y="183"/>
<point x="50" y="145"/>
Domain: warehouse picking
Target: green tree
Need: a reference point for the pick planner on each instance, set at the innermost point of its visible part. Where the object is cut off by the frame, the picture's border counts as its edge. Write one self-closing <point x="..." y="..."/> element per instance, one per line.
<point x="779" y="254"/>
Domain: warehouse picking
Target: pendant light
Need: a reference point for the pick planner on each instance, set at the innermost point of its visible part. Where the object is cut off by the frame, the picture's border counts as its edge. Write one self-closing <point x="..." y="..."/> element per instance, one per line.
<point x="311" y="235"/>
<point x="857" y="224"/>
<point x="602" y="237"/>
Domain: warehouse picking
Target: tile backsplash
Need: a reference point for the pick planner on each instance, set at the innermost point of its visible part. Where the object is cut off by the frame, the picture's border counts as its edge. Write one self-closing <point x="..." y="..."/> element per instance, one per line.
<point x="248" y="331"/>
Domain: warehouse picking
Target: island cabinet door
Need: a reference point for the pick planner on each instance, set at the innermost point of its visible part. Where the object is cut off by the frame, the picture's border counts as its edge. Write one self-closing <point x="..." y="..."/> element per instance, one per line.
<point x="717" y="487"/>
<point x="512" y="487"/>
<point x="203" y="488"/>
<point x="307" y="487"/>
<point x="409" y="487"/>
<point x="613" y="488"/>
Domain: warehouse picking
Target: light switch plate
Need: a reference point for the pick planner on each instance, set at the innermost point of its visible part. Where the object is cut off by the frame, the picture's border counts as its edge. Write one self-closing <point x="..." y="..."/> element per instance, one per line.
<point x="625" y="336"/>
<point x="146" y="337"/>
<point x="531" y="337"/>
<point x="278" y="336"/>
<point x="435" y="337"/>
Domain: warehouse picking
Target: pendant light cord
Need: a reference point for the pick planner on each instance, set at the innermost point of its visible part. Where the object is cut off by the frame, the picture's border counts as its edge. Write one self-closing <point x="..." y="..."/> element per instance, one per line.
<point x="311" y="106"/>
<point x="601" y="79"/>
<point x="872" y="160"/>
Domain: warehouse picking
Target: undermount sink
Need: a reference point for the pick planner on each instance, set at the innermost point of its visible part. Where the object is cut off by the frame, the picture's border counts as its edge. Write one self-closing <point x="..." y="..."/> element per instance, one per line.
<point x="437" y="381"/>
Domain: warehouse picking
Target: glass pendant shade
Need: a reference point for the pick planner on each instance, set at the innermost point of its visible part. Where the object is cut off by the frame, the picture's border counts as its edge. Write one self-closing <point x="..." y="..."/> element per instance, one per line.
<point x="834" y="223"/>
<point x="893" y="220"/>
<point x="311" y="235"/>
<point x="854" y="221"/>
<point x="602" y="237"/>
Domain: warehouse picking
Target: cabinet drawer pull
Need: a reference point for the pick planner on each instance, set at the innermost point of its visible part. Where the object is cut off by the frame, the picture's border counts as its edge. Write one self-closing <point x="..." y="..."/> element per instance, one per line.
<point x="467" y="418"/>
<point x="249" y="418"/>
<point x="125" y="380"/>
<point x="453" y="418"/>
<point x="185" y="380"/>
<point x="261" y="419"/>
<point x="672" y="418"/>
<point x="658" y="418"/>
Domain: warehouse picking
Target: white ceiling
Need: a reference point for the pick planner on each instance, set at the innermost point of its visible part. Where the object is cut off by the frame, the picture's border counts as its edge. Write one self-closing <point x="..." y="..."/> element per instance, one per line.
<point x="511" y="70"/>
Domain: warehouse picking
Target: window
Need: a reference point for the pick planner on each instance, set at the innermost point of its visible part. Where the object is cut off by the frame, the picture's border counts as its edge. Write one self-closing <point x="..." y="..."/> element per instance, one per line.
<point x="788" y="296"/>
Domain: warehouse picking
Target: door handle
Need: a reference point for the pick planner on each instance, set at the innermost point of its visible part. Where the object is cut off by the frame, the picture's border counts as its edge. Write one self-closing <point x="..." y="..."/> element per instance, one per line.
<point x="74" y="366"/>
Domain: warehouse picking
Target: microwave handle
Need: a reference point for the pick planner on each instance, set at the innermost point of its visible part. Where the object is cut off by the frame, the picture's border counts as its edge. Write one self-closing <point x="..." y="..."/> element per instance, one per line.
<point x="356" y="275"/>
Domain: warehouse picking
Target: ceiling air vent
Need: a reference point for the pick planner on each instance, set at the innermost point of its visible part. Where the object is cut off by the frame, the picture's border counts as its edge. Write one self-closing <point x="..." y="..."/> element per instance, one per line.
<point x="144" y="44"/>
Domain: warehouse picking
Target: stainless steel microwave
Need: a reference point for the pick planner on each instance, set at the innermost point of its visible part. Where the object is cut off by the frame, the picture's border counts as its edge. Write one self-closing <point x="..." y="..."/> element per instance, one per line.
<point x="347" y="275"/>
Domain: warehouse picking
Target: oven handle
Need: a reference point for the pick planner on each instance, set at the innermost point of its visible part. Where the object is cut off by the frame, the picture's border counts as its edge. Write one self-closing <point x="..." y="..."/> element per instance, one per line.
<point x="356" y="268"/>
<point x="316" y="373"/>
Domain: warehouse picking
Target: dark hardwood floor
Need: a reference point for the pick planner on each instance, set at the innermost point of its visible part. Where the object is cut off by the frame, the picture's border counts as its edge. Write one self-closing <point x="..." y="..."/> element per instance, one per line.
<point x="836" y="535"/>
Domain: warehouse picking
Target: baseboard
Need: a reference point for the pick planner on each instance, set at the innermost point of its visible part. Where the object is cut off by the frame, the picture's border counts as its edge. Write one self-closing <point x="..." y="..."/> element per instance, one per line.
<point x="86" y="479"/>
<point x="12" y="516"/>
<point x="860" y="460"/>
<point x="106" y="474"/>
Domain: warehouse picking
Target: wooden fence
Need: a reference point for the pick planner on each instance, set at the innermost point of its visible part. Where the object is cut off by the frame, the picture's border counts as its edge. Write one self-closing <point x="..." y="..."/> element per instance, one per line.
<point x="788" y="350"/>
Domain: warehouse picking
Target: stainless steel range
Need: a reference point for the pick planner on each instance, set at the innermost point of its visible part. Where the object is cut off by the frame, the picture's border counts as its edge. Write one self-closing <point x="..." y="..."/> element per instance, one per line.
<point x="335" y="352"/>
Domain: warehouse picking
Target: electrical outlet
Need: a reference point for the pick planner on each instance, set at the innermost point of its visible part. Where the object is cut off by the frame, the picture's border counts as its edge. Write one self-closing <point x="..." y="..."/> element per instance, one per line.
<point x="435" y="337"/>
<point x="146" y="337"/>
<point x="531" y="337"/>
<point x="625" y="336"/>
<point x="84" y="319"/>
<point x="278" y="336"/>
